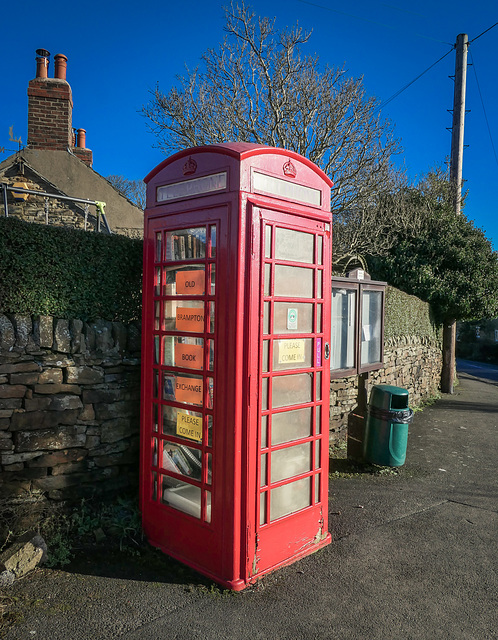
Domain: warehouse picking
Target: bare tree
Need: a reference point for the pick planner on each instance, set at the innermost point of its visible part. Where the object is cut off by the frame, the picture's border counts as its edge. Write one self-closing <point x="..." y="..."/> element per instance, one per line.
<point x="134" y="190"/>
<point x="257" y="86"/>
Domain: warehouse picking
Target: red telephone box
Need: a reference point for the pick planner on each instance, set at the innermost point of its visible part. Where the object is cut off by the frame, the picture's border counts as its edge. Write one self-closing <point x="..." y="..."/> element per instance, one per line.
<point x="235" y="377"/>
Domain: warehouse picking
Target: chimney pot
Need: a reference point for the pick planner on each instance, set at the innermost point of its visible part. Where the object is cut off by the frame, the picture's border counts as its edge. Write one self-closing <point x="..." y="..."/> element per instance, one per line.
<point x="42" y="63"/>
<point x="60" y="66"/>
<point x="81" y="143"/>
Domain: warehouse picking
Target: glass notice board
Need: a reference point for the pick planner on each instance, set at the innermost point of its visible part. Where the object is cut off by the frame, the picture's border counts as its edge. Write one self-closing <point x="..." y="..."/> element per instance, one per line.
<point x="183" y="369"/>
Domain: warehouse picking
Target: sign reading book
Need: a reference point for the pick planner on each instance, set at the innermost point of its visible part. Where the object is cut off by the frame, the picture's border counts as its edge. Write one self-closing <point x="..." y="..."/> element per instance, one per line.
<point x="188" y="356"/>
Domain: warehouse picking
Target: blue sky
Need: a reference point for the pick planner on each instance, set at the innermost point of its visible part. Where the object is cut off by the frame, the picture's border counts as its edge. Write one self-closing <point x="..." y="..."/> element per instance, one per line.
<point x="118" y="51"/>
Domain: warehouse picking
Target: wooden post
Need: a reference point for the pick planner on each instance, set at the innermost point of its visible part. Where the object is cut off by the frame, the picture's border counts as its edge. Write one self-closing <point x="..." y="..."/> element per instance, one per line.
<point x="449" y="329"/>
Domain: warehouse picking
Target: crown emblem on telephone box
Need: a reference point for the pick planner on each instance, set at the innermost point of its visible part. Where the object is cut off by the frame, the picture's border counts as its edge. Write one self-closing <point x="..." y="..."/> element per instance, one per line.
<point x="189" y="167"/>
<point x="289" y="169"/>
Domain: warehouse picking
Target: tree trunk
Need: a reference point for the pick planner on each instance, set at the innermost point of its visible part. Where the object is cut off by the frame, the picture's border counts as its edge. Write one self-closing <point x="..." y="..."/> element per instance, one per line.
<point x="449" y="360"/>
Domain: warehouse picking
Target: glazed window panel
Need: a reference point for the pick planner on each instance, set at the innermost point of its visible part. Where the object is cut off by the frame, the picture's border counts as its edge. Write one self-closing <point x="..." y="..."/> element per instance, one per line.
<point x="343" y="328"/>
<point x="290" y="498"/>
<point x="183" y="460"/>
<point x="185" y="244"/>
<point x="183" y="351"/>
<point x="157" y="349"/>
<point x="159" y="236"/>
<point x="182" y="423"/>
<point x="268" y="241"/>
<point x="184" y="315"/>
<point x="292" y="354"/>
<point x="294" y="246"/>
<point x="212" y="279"/>
<point x="296" y="317"/>
<point x="181" y="495"/>
<point x="193" y="187"/>
<point x="291" y="425"/>
<point x="293" y="461"/>
<point x="183" y="388"/>
<point x="293" y="282"/>
<point x="187" y="280"/>
<point x="292" y="389"/>
<point x="266" y="288"/>
<point x="208" y="506"/>
<point x="212" y="249"/>
<point x="320" y="249"/>
<point x="155" y="417"/>
<point x="371" y="324"/>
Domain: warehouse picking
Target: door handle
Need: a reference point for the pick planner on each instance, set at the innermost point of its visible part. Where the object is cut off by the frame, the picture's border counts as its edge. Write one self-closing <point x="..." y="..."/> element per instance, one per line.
<point x="327" y="351"/>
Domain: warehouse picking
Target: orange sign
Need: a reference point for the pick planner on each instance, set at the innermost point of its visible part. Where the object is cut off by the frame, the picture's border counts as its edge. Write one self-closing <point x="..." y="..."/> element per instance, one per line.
<point x="190" y="282"/>
<point x="188" y="390"/>
<point x="190" y="319"/>
<point x="188" y="356"/>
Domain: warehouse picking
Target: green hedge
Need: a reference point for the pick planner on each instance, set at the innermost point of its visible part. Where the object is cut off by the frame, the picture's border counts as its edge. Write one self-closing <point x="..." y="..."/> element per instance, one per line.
<point x="407" y="315"/>
<point x="69" y="273"/>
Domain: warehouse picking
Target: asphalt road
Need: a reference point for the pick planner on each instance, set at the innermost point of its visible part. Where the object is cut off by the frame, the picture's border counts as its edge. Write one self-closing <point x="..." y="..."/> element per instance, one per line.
<point x="413" y="557"/>
<point x="479" y="370"/>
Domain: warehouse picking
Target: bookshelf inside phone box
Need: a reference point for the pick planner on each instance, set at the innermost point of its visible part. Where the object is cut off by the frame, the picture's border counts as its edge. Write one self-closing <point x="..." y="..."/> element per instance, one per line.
<point x="235" y="372"/>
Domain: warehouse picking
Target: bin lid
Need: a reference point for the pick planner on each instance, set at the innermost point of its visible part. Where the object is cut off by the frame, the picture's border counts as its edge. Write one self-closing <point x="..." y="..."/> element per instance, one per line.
<point x="386" y="396"/>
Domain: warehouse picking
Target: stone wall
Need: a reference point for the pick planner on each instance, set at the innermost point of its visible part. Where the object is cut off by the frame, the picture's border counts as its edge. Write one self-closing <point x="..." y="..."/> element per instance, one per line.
<point x="70" y="395"/>
<point x="61" y="213"/>
<point x="413" y="363"/>
<point x="69" y="406"/>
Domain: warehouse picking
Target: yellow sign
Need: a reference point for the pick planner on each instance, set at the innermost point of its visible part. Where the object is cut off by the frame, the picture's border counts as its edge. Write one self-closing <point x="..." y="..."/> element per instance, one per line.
<point x="188" y="426"/>
<point x="290" y="351"/>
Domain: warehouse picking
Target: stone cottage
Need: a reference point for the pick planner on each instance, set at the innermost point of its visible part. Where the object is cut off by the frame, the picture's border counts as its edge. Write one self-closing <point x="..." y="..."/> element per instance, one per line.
<point x="57" y="161"/>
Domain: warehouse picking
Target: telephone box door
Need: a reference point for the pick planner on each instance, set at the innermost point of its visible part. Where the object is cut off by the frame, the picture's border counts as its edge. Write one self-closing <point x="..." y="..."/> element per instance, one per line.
<point x="182" y="442"/>
<point x="291" y="283"/>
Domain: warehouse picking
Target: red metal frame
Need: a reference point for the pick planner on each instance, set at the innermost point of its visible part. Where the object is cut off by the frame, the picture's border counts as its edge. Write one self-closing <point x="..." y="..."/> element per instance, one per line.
<point x="231" y="545"/>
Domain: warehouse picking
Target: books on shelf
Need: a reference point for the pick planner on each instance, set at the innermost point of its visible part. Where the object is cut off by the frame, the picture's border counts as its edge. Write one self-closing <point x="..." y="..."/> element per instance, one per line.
<point x="185" y="246"/>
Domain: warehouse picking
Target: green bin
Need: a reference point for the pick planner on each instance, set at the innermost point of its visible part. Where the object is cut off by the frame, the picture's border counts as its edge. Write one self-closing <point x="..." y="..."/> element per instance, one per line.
<point x="386" y="433"/>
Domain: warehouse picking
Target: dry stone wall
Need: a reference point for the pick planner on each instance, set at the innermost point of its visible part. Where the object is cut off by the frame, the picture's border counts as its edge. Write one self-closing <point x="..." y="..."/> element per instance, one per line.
<point x="69" y="406"/>
<point x="413" y="363"/>
<point x="61" y="213"/>
<point x="70" y="397"/>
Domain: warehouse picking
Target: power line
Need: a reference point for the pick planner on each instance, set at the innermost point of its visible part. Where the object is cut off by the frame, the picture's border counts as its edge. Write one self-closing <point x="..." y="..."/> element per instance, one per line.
<point x="395" y="95"/>
<point x="482" y="101"/>
<point x="481" y="34"/>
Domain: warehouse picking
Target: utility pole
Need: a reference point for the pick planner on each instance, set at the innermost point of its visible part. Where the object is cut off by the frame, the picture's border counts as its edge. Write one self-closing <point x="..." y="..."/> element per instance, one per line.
<point x="449" y="328"/>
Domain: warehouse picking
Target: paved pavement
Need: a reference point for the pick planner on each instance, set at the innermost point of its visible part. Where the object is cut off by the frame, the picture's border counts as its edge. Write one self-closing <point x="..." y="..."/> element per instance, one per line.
<point x="414" y="556"/>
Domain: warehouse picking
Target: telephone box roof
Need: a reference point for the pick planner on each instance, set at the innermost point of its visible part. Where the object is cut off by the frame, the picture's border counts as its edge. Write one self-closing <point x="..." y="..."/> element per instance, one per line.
<point x="241" y="151"/>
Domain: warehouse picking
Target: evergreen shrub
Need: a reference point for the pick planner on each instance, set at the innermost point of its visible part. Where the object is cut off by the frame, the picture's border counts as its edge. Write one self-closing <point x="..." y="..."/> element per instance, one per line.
<point x="69" y="273"/>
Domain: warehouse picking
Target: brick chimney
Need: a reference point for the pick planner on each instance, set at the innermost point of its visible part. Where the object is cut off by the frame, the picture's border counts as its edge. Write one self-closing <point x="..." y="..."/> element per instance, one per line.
<point x="50" y="109"/>
<point x="80" y="150"/>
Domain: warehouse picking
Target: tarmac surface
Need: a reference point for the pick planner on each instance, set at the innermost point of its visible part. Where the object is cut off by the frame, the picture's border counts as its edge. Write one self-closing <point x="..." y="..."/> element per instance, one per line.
<point x="414" y="556"/>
